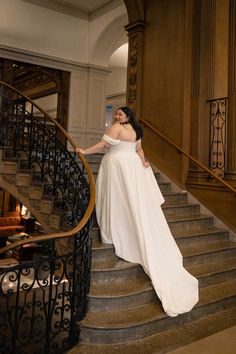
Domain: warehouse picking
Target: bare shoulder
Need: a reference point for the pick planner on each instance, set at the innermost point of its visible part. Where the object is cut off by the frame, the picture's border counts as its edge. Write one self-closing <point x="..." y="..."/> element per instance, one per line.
<point x="114" y="130"/>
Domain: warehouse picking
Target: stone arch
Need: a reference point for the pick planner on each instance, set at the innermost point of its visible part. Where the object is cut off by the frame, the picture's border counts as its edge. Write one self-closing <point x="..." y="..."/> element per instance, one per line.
<point x="112" y="37"/>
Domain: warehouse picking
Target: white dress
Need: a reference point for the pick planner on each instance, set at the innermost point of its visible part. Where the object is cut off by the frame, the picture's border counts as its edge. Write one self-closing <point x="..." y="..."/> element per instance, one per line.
<point x="129" y="214"/>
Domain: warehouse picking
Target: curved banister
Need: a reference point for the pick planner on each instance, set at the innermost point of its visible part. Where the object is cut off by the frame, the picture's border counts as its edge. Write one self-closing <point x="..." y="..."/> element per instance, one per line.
<point x="91" y="204"/>
<point x="180" y="150"/>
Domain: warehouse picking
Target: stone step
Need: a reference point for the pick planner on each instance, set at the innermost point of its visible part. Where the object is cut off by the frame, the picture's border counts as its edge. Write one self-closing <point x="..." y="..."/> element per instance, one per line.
<point x="103" y="251"/>
<point x="186" y="236"/>
<point x="32" y="192"/>
<point x="189" y="222"/>
<point x="214" y="272"/>
<point x="167" y="340"/>
<point x="181" y="209"/>
<point x="55" y="221"/>
<point x="195" y="236"/>
<point x="23" y="180"/>
<point x="96" y="233"/>
<point x="175" y="197"/>
<point x="200" y="255"/>
<point x="205" y="253"/>
<point x="46" y="206"/>
<point x="115" y="270"/>
<point x="134" y="292"/>
<point x="35" y="192"/>
<point x="126" y="294"/>
<point x="200" y="251"/>
<point x="165" y="187"/>
<point x="9" y="178"/>
<point x="126" y="325"/>
<point x="158" y="177"/>
<point x="8" y="168"/>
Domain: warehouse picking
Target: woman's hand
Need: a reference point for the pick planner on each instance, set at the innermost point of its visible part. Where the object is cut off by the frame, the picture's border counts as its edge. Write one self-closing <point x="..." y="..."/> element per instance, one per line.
<point x="146" y="164"/>
<point x="80" y="151"/>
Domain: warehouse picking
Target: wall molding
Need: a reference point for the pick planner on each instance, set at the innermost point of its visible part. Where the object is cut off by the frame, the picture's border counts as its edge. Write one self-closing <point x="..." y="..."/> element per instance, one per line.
<point x="9" y="52"/>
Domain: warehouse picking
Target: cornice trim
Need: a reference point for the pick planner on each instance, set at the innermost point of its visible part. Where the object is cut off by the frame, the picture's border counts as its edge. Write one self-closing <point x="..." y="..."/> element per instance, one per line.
<point x="76" y="11"/>
<point x="47" y="60"/>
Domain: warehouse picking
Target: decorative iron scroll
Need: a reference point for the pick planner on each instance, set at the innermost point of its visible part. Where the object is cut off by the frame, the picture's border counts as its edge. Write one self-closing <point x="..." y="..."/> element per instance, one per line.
<point x="41" y="148"/>
<point x="43" y="299"/>
<point x="217" y="135"/>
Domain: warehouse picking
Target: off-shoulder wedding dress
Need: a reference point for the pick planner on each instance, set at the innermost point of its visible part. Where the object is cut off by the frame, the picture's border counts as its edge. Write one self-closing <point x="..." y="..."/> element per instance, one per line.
<point x="129" y="214"/>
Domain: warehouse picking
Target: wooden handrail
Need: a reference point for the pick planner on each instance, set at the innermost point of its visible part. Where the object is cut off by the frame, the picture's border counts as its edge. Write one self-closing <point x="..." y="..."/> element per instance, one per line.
<point x="91" y="204"/>
<point x="179" y="149"/>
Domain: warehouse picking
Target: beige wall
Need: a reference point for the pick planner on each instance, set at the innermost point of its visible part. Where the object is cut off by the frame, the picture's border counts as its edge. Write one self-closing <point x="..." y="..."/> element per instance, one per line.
<point x="116" y="82"/>
<point x="33" y="28"/>
<point x="81" y="46"/>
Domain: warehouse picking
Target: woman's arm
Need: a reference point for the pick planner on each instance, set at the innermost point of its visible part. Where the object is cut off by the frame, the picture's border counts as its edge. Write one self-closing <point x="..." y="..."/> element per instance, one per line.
<point x="113" y="132"/>
<point x="93" y="149"/>
<point x="140" y="152"/>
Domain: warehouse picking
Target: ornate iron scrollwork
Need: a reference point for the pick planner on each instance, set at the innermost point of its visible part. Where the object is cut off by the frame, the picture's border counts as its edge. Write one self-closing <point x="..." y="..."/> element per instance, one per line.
<point x="217" y="135"/>
<point x="43" y="299"/>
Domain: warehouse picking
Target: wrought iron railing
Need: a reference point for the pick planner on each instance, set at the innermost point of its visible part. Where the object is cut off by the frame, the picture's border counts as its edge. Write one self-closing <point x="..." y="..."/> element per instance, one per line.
<point x="217" y="135"/>
<point x="43" y="294"/>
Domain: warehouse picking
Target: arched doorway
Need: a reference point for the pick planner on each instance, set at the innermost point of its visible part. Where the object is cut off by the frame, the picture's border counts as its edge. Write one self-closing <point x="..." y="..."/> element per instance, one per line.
<point x="46" y="86"/>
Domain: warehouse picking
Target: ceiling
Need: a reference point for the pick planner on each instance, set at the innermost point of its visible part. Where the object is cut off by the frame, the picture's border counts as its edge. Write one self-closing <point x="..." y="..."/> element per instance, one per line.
<point x="84" y="5"/>
<point x="78" y="8"/>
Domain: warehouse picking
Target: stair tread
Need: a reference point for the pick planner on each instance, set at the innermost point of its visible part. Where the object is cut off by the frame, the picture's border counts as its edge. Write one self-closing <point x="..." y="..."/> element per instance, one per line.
<point x="100" y="245"/>
<point x="124" y="318"/>
<point x="197" y="231"/>
<point x="112" y="264"/>
<point x="179" y="205"/>
<point x="166" y="340"/>
<point x="138" y="285"/>
<point x="174" y="193"/>
<point x="187" y="217"/>
<point x="119" y="289"/>
<point x="186" y="250"/>
<point x="210" y="268"/>
<point x="189" y="232"/>
<point x="192" y="250"/>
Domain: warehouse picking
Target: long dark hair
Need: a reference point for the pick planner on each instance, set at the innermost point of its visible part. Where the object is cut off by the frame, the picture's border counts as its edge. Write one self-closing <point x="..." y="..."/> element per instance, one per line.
<point x="133" y="121"/>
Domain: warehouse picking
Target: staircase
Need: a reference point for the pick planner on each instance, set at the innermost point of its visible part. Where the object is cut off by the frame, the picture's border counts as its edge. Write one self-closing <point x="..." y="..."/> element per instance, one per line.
<point x="17" y="179"/>
<point x="126" y="317"/>
<point x="43" y="294"/>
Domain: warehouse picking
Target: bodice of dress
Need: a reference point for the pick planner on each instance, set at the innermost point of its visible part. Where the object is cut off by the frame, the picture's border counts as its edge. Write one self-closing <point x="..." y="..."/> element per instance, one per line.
<point x="120" y="145"/>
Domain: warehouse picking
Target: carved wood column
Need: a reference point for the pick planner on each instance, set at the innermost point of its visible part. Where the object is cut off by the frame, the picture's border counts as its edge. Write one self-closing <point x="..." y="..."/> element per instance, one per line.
<point x="202" y="80"/>
<point x="134" y="73"/>
<point x="231" y="118"/>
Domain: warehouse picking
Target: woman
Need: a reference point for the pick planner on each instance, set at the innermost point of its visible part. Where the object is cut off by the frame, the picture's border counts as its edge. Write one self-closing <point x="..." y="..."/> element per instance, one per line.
<point x="129" y="214"/>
